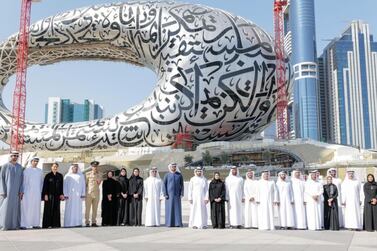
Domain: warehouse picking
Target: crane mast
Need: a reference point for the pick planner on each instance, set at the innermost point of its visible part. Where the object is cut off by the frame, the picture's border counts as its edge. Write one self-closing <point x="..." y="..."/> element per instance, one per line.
<point x="19" y="94"/>
<point x="282" y="100"/>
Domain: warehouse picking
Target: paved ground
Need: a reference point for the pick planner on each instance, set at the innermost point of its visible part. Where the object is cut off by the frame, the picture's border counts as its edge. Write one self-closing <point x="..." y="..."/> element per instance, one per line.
<point x="162" y="238"/>
<point x="142" y="238"/>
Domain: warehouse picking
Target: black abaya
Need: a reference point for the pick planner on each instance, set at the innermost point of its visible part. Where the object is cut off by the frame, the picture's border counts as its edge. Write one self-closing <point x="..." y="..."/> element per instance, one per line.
<point x="123" y="205"/>
<point x="109" y="207"/>
<point x="53" y="188"/>
<point x="331" y="216"/>
<point x="217" y="190"/>
<point x="370" y="210"/>
<point x="136" y="204"/>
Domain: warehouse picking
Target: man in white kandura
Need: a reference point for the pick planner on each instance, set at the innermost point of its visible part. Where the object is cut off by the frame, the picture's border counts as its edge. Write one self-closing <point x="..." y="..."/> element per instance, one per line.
<point x="338" y="183"/>
<point x="286" y="213"/>
<point x="234" y="197"/>
<point x="352" y="202"/>
<point x="313" y="199"/>
<point x="74" y="195"/>
<point x="153" y="195"/>
<point x="31" y="200"/>
<point x="298" y="188"/>
<point x="267" y="197"/>
<point x="198" y="198"/>
<point x="251" y="209"/>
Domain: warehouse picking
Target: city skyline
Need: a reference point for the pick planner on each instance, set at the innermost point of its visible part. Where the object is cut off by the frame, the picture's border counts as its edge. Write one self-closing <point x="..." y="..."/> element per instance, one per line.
<point x="84" y="79"/>
<point x="63" y="110"/>
<point x="60" y="79"/>
<point x="348" y="83"/>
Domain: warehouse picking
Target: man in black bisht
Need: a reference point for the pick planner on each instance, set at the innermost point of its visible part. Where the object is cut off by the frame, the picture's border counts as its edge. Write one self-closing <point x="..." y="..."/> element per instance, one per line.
<point x="370" y="204"/>
<point x="330" y="194"/>
<point x="52" y="194"/>
<point x="217" y="200"/>
<point x="135" y="191"/>
<point x="109" y="200"/>
<point x="123" y="198"/>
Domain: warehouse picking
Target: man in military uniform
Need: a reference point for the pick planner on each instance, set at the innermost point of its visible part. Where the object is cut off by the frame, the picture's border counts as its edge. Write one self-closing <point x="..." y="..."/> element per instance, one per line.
<point x="93" y="180"/>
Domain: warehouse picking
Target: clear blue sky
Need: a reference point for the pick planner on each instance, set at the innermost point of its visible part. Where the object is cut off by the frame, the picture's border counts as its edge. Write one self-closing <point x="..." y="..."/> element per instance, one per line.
<point x="118" y="86"/>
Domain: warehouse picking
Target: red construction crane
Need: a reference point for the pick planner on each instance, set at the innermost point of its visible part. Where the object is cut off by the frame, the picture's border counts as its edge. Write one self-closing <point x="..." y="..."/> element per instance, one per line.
<point x="282" y="100"/>
<point x="19" y="94"/>
<point x="183" y="140"/>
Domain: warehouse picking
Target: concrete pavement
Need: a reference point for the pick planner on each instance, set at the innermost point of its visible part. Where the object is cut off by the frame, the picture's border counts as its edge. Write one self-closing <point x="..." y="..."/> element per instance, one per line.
<point x="162" y="238"/>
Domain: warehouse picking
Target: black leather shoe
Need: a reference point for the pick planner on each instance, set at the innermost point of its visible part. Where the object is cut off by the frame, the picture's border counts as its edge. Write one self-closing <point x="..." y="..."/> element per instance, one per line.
<point x="94" y="225"/>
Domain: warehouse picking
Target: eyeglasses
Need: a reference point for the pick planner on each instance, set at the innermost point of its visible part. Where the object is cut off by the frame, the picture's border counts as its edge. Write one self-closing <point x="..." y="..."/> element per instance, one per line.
<point x="14" y="156"/>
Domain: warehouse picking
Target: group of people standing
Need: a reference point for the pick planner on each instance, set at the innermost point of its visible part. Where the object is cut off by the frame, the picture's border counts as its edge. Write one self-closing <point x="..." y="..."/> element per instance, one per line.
<point x="21" y="192"/>
<point x="289" y="204"/>
<point x="293" y="203"/>
<point x="122" y="199"/>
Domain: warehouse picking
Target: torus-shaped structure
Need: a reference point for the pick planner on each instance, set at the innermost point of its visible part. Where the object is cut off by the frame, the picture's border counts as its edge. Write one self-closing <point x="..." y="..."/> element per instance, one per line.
<point x="215" y="74"/>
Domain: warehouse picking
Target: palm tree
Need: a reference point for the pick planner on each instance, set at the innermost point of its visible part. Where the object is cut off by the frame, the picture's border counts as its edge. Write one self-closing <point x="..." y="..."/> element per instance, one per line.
<point x="207" y="158"/>
<point x="188" y="159"/>
<point x="224" y="157"/>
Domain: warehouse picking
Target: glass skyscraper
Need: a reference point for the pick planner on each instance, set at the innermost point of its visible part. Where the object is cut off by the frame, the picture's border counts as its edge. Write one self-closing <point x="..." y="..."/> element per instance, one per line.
<point x="304" y="61"/>
<point x="59" y="110"/>
<point x="348" y="78"/>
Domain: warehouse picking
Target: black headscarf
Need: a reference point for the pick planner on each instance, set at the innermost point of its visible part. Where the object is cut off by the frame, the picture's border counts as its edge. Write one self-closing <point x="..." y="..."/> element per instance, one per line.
<point x="120" y="174"/>
<point x="372" y="177"/>
<point x="215" y="180"/>
<point x="107" y="175"/>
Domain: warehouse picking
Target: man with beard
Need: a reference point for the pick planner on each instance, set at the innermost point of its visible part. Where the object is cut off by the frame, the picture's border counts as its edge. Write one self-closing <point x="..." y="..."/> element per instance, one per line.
<point x="352" y="202"/>
<point x="74" y="194"/>
<point x="198" y="198"/>
<point x="313" y="200"/>
<point x="298" y="188"/>
<point x="251" y="209"/>
<point x="153" y="195"/>
<point x="235" y="197"/>
<point x="286" y="213"/>
<point x="267" y="197"/>
<point x="173" y="192"/>
<point x="31" y="200"/>
<point x="93" y="180"/>
<point x="11" y="177"/>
